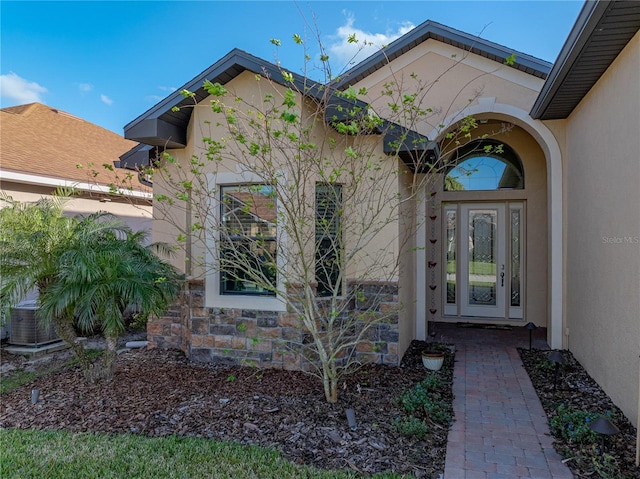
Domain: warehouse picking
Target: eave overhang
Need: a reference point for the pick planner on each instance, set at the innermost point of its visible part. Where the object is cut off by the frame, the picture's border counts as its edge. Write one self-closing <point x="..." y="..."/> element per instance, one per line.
<point x="416" y="151"/>
<point x="165" y="124"/>
<point x="433" y="30"/>
<point x="138" y="159"/>
<point x="602" y="30"/>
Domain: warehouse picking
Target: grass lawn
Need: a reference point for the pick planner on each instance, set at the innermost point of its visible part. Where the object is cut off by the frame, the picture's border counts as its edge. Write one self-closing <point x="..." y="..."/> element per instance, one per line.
<point x="475" y="267"/>
<point x="31" y="454"/>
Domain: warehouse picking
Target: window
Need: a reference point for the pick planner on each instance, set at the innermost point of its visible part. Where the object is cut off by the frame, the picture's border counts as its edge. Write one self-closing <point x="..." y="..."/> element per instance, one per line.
<point x="328" y="239"/>
<point x="484" y="165"/>
<point x="248" y="246"/>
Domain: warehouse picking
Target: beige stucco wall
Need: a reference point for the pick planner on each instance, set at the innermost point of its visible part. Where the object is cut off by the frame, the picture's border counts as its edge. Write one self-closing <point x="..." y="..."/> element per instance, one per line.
<point x="170" y="218"/>
<point x="473" y="81"/>
<point x="135" y="213"/>
<point x="447" y="80"/>
<point x="603" y="230"/>
<point x="205" y="123"/>
<point x="407" y="262"/>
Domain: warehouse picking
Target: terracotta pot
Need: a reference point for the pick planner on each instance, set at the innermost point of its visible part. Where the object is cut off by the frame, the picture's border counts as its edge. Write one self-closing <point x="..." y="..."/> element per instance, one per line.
<point x="432" y="359"/>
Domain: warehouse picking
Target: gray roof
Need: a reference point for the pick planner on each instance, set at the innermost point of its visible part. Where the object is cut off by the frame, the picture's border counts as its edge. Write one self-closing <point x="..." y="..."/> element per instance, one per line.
<point x="602" y="30"/>
<point x="600" y="33"/>
<point x="164" y="127"/>
<point x="430" y="29"/>
<point x="161" y="126"/>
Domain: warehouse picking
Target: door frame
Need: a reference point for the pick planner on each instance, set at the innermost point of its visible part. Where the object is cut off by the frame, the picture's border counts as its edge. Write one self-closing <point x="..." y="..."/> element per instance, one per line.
<point x="511" y="303"/>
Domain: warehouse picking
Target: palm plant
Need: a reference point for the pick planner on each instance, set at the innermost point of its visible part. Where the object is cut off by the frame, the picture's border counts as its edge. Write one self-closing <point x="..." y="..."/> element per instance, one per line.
<point x="100" y="276"/>
<point x="32" y="238"/>
<point x="87" y="272"/>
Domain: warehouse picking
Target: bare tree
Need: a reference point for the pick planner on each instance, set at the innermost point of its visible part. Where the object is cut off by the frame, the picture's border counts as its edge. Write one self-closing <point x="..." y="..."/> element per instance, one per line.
<point x="320" y="214"/>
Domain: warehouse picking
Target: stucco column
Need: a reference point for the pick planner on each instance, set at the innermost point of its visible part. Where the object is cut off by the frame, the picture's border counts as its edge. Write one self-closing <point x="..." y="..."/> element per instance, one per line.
<point x="421" y="261"/>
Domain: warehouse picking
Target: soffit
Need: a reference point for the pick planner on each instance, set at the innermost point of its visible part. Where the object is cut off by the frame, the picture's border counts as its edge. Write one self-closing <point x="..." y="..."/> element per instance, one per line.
<point x="600" y="33"/>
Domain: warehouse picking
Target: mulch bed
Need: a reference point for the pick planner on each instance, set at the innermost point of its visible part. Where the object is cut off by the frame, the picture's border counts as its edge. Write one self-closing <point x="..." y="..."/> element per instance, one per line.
<point x="577" y="391"/>
<point x="160" y="393"/>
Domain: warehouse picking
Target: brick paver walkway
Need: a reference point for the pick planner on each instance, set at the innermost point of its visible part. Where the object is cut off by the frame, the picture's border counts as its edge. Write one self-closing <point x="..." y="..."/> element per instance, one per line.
<point x="500" y="429"/>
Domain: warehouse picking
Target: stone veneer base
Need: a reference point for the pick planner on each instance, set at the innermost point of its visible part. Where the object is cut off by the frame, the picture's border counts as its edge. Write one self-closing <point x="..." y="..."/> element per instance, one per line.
<point x="258" y="338"/>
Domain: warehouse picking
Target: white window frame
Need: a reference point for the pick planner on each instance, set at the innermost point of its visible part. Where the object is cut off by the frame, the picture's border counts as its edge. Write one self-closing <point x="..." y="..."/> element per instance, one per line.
<point x="213" y="296"/>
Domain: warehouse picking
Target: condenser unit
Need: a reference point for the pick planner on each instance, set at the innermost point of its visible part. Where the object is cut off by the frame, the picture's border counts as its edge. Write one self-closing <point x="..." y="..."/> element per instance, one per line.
<point x="26" y="330"/>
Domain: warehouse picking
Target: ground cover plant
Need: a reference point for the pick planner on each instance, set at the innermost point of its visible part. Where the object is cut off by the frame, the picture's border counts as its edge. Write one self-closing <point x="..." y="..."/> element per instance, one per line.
<point x="159" y="393"/>
<point x="571" y="406"/>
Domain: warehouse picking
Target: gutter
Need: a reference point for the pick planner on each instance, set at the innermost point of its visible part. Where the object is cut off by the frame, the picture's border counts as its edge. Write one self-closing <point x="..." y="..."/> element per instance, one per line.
<point x="55" y="182"/>
<point x="580" y="34"/>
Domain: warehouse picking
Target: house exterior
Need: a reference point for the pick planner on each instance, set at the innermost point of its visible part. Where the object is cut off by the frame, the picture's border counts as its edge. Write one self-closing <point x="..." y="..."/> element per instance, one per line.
<point x="44" y="148"/>
<point x="547" y="231"/>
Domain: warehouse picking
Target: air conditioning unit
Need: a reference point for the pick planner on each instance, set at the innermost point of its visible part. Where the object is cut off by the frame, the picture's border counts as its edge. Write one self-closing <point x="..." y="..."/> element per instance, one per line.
<point x="26" y="330"/>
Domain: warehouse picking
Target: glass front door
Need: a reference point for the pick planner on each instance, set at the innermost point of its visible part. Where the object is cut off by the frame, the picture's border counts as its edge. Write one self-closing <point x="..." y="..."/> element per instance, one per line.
<point x="482" y="261"/>
<point x="483" y="258"/>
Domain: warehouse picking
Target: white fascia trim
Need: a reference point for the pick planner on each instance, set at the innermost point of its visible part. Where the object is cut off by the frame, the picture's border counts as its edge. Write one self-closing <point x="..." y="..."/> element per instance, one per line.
<point x="455" y="54"/>
<point x="555" y="220"/>
<point x="49" y="181"/>
<point x="213" y="298"/>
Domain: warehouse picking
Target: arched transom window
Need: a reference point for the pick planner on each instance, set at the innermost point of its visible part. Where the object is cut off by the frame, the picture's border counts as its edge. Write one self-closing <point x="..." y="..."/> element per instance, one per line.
<point x="484" y="165"/>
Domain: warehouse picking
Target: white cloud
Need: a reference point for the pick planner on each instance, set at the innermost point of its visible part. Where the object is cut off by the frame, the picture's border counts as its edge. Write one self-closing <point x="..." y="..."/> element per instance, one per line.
<point x="156" y="98"/>
<point x="85" y="87"/>
<point x="18" y="89"/>
<point x="343" y="53"/>
<point x="105" y="99"/>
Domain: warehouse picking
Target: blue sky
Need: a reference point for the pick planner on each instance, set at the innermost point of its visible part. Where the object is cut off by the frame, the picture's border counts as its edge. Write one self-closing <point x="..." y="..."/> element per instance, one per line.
<point x="108" y="62"/>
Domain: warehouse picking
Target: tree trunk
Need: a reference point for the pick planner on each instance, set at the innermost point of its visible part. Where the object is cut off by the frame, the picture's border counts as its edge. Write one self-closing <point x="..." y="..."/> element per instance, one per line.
<point x="64" y="328"/>
<point x="330" y="382"/>
<point x="109" y="359"/>
<point x="103" y="370"/>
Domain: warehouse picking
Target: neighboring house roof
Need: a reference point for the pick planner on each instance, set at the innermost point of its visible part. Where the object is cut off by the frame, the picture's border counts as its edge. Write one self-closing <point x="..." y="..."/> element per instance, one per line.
<point x="260" y="207"/>
<point x="42" y="145"/>
<point x="600" y="33"/>
<point x="433" y="30"/>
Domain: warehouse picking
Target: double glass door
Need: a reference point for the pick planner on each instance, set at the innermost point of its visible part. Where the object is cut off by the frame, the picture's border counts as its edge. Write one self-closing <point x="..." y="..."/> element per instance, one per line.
<point x="484" y="251"/>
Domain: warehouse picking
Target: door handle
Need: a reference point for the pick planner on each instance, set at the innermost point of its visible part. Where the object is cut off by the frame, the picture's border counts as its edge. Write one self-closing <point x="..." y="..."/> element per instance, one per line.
<point x="502" y="279"/>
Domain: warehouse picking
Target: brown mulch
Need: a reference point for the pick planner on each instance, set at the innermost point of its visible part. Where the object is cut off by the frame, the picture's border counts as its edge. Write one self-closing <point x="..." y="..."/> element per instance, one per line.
<point x="576" y="390"/>
<point x="160" y="393"/>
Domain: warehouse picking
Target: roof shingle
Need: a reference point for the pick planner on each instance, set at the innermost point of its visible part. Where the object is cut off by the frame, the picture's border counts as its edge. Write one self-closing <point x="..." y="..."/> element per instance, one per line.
<point x="36" y="139"/>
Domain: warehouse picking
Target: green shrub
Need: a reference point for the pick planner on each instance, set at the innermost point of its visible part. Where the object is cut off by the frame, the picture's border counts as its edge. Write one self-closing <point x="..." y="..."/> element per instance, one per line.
<point x="573" y="425"/>
<point x="605" y="465"/>
<point x="411" y="426"/>
<point x="424" y="400"/>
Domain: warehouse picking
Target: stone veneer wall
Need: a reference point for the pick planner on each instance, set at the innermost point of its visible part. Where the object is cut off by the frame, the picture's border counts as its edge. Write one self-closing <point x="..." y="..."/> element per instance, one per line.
<point x="261" y="338"/>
